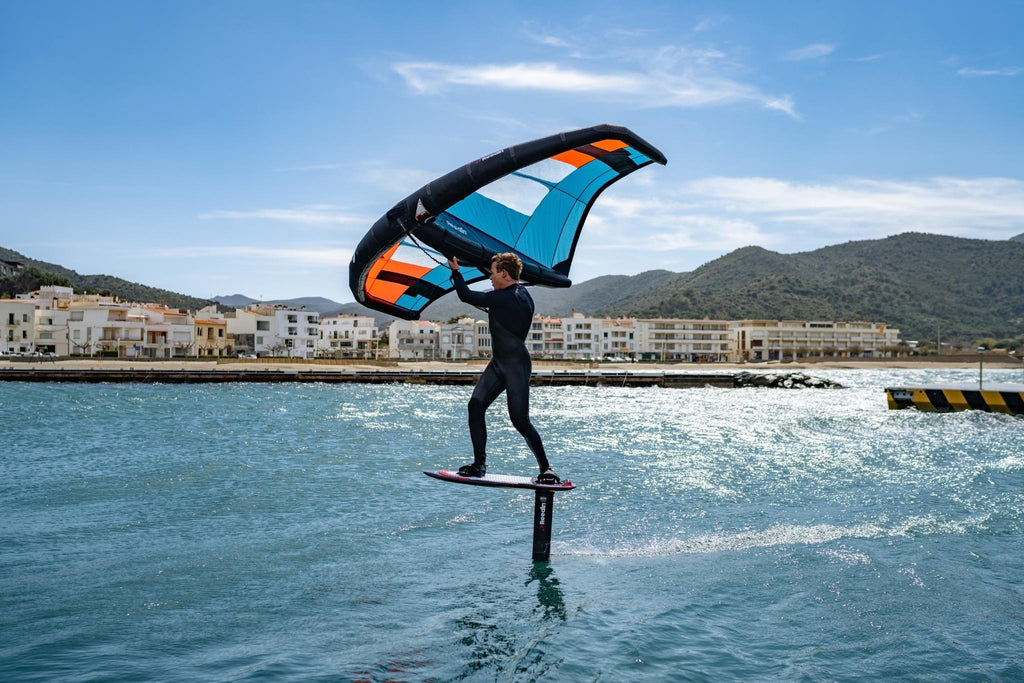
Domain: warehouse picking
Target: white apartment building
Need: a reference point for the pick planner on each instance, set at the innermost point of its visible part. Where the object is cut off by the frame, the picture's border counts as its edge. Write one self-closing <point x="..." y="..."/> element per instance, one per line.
<point x="619" y="338"/>
<point x="50" y="324"/>
<point x="252" y="330"/>
<point x="106" y="330"/>
<point x="297" y="332"/>
<point x="685" y="340"/>
<point x="546" y="337"/>
<point x="348" y="336"/>
<point x="482" y="339"/>
<point x="582" y="337"/>
<point x="764" y="340"/>
<point x="169" y="333"/>
<point x="457" y="341"/>
<point x="410" y="339"/>
<point x="51" y="331"/>
<point x="18" y="319"/>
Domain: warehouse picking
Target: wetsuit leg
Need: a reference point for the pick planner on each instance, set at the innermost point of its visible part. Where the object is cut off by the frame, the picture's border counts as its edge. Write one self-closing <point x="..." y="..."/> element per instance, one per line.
<point x="517" y="388"/>
<point x="488" y="387"/>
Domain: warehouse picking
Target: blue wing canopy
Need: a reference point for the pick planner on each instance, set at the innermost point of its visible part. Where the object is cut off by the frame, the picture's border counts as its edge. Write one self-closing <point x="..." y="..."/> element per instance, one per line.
<point x="531" y="199"/>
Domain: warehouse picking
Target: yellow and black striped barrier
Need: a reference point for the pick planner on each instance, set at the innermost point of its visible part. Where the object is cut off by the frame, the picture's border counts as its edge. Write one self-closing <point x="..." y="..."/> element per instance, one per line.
<point x="1002" y="399"/>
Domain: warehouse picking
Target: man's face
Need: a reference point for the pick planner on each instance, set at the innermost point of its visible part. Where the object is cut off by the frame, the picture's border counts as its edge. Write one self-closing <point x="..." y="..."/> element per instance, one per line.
<point x="499" y="278"/>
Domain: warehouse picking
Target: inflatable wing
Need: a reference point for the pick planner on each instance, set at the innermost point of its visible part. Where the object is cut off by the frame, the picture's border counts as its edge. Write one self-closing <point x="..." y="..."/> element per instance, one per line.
<point x="530" y="199"/>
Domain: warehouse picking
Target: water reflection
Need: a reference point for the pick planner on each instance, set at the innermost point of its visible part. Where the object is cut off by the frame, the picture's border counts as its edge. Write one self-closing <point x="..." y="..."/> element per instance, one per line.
<point x="549" y="594"/>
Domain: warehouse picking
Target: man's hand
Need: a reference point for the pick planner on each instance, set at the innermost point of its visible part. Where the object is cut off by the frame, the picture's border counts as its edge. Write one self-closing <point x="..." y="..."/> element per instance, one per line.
<point x="453" y="263"/>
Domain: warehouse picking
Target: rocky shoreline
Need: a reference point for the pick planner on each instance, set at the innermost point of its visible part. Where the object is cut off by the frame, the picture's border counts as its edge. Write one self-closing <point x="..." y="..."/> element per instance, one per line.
<point x="789" y="380"/>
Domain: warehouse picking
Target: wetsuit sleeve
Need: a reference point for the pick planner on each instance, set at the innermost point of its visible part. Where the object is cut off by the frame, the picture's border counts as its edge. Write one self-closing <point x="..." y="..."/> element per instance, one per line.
<point x="467" y="295"/>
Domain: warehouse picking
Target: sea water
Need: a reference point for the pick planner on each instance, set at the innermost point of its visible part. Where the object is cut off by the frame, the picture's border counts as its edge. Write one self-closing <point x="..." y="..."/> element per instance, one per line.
<point x="286" y="532"/>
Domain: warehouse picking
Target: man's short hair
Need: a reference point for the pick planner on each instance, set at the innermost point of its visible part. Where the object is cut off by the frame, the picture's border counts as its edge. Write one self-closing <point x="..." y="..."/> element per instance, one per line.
<point x="508" y="262"/>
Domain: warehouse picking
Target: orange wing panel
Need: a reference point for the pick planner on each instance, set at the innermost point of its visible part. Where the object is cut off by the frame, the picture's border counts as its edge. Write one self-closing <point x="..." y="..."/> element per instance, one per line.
<point x="573" y="158"/>
<point x="382" y="290"/>
<point x="610" y="145"/>
<point x="410" y="269"/>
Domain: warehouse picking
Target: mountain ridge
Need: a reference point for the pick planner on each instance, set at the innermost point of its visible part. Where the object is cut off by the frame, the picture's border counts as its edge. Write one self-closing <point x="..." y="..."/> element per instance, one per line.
<point x="924" y="284"/>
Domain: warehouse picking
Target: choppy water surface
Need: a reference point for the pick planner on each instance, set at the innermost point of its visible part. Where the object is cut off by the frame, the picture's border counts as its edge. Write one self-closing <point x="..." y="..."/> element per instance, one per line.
<point x="240" y="532"/>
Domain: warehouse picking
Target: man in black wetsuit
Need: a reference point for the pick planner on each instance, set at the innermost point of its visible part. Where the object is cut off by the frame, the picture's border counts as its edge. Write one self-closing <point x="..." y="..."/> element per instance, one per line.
<point x="510" y="315"/>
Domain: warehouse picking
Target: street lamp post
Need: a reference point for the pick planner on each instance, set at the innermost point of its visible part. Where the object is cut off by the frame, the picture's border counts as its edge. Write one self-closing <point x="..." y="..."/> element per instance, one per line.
<point x="981" y="352"/>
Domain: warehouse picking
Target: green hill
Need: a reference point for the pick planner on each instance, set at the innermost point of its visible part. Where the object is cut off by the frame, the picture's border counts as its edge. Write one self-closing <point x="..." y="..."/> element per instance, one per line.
<point x="922" y="284"/>
<point x="94" y="284"/>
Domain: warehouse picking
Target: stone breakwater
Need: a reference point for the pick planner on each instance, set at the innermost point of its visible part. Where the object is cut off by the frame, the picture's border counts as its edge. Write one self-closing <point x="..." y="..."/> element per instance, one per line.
<point x="624" y="378"/>
<point x="789" y="380"/>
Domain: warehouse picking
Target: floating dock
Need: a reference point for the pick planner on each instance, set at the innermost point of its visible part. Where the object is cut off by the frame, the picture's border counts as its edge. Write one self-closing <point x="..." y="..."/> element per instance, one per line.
<point x="993" y="398"/>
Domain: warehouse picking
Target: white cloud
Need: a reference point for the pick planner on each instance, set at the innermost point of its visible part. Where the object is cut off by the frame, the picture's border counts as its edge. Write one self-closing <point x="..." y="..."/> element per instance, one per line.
<point x="968" y="207"/>
<point x="674" y="77"/>
<point x="708" y="23"/>
<point x="430" y="77"/>
<point x="981" y="73"/>
<point x="314" y="215"/>
<point x="546" y="39"/>
<point x="812" y="51"/>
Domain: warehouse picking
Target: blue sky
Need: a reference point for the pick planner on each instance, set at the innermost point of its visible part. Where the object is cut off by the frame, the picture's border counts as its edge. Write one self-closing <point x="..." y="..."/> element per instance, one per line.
<point x="215" y="148"/>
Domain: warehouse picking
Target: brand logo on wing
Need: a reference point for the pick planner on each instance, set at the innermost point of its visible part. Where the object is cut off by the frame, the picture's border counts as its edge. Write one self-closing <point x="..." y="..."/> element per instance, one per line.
<point x="453" y="226"/>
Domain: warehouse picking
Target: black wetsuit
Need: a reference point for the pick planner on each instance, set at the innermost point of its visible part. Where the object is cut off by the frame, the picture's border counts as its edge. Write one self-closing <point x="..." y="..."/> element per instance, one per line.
<point x="510" y="315"/>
